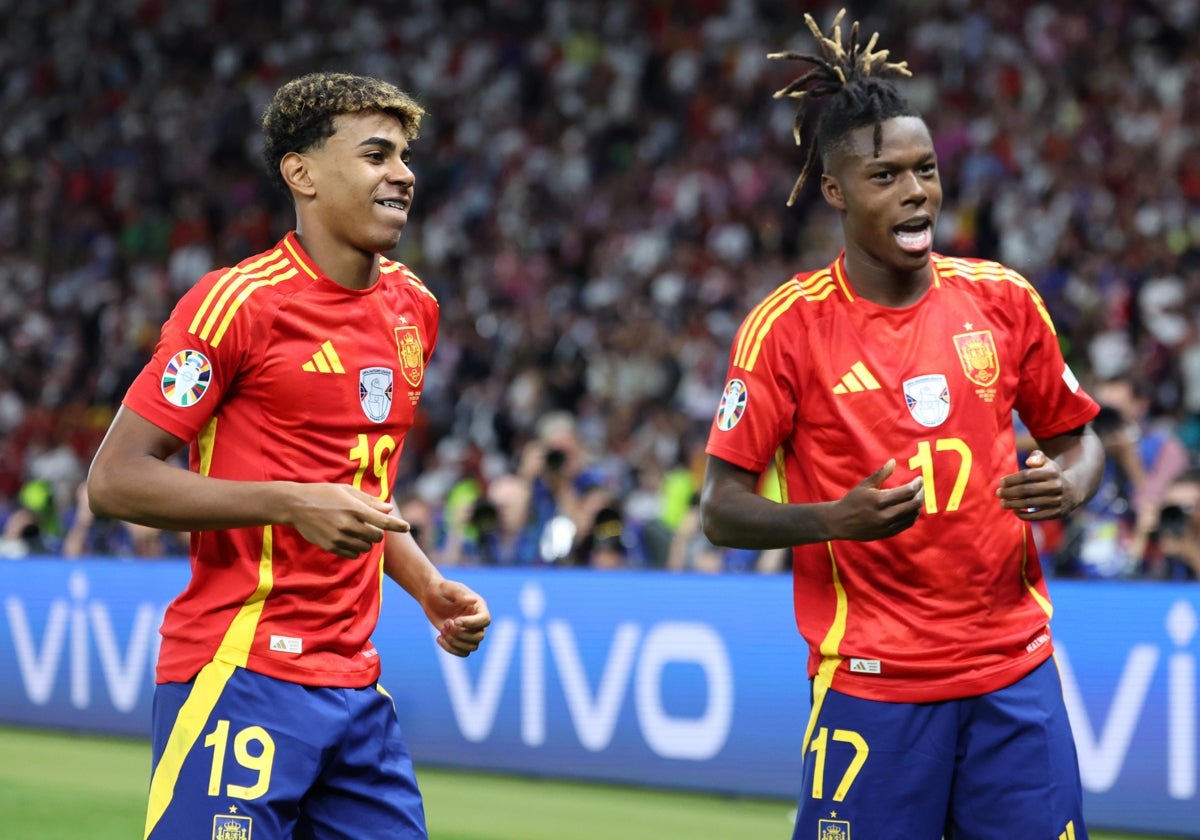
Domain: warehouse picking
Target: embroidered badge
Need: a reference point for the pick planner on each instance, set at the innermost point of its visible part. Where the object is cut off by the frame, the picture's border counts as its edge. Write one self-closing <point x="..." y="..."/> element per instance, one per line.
<point x="375" y="392"/>
<point x="186" y="377"/>
<point x="412" y="355"/>
<point x="928" y="399"/>
<point x="977" y="353"/>
<point x="732" y="406"/>
<point x="833" y="829"/>
<point x="231" y="827"/>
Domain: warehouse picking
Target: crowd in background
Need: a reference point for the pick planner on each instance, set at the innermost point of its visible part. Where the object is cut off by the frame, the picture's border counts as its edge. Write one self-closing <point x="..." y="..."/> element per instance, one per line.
<point x="601" y="193"/>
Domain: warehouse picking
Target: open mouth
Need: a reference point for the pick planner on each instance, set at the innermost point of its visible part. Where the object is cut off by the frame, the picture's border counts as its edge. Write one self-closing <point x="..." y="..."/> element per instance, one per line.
<point x="394" y="204"/>
<point x="914" y="236"/>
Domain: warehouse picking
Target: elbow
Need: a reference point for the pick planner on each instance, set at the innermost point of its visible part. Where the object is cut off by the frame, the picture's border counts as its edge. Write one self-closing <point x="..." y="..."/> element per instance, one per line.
<point x="100" y="495"/>
<point x="710" y="523"/>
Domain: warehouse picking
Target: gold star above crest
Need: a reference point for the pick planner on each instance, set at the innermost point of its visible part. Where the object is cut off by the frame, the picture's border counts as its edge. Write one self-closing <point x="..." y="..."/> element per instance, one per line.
<point x="233" y="809"/>
<point x="968" y="325"/>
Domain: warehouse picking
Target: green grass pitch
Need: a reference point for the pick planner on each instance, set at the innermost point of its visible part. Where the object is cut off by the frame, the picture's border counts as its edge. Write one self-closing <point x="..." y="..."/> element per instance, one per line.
<point x="63" y="786"/>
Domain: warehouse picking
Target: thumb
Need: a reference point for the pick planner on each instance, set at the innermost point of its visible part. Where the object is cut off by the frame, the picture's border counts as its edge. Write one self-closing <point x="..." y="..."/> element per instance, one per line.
<point x="1035" y="459"/>
<point x="880" y="475"/>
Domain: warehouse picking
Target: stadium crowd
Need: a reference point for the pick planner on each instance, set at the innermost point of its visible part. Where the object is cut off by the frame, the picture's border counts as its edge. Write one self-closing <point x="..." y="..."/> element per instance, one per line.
<point x="601" y="195"/>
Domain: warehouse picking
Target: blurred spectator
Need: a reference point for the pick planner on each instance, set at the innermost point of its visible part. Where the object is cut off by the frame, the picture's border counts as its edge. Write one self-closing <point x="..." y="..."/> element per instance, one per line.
<point x="1111" y="535"/>
<point x="604" y="546"/>
<point x="605" y="187"/>
<point x="91" y="536"/>
<point x="1178" y="530"/>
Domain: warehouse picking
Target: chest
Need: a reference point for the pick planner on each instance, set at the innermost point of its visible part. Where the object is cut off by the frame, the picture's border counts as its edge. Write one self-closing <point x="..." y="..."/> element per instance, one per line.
<point x="355" y="366"/>
<point x="953" y="366"/>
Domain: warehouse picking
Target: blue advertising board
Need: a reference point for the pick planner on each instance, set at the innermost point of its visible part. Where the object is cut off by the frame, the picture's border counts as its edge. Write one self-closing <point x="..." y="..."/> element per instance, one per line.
<point x="686" y="681"/>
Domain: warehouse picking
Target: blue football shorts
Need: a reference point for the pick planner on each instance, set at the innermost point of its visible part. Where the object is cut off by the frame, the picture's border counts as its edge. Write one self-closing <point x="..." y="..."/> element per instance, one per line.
<point x="999" y="766"/>
<point x="242" y="756"/>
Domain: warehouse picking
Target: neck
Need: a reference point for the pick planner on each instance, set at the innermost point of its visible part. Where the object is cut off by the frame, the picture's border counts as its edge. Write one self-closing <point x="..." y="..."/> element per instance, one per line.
<point x="339" y="261"/>
<point x="886" y="285"/>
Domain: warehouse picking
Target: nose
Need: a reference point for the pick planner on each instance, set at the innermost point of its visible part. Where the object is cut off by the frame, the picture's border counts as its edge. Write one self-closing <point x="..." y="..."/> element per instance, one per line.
<point x="401" y="174"/>
<point x="914" y="189"/>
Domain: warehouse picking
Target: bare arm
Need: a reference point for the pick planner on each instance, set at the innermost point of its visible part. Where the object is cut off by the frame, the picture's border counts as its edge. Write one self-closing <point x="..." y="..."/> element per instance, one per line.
<point x="733" y="514"/>
<point x="1060" y="475"/>
<point x="130" y="479"/>
<point x="460" y="615"/>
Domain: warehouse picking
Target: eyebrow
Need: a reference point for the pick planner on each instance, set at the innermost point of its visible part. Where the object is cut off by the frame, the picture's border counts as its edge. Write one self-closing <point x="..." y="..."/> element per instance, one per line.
<point x="883" y="163"/>
<point x="381" y="142"/>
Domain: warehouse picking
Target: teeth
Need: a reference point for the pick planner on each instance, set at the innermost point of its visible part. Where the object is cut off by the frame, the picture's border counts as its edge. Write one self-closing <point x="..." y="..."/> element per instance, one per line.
<point x="399" y="205"/>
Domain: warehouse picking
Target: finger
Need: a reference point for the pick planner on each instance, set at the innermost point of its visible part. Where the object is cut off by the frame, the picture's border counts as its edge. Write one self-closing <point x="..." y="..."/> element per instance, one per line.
<point x="453" y="648"/>
<point x="1036" y="458"/>
<point x="466" y="624"/>
<point x="385" y="522"/>
<point x="880" y="475"/>
<point x="903" y="494"/>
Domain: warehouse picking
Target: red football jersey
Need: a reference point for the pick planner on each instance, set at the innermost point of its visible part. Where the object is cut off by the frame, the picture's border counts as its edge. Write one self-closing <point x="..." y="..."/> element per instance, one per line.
<point x="828" y="387"/>
<point x="275" y="372"/>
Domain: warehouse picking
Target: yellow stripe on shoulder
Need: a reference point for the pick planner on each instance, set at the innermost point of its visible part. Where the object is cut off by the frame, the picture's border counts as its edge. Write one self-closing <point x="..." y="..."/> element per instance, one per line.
<point x="391" y="267"/>
<point x="758" y="322"/>
<point x="979" y="270"/>
<point x="233" y="289"/>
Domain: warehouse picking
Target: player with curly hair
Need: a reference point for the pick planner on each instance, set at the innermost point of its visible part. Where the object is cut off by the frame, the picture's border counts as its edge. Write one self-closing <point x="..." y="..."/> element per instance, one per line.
<point x="294" y="377"/>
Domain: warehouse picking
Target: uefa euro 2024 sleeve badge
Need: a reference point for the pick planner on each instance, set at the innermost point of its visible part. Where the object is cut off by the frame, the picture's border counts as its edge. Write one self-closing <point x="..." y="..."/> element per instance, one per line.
<point x="186" y="377"/>
<point x="732" y="405"/>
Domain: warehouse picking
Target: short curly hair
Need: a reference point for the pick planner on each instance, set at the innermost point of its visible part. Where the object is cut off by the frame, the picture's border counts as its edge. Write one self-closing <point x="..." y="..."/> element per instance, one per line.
<point x="300" y="115"/>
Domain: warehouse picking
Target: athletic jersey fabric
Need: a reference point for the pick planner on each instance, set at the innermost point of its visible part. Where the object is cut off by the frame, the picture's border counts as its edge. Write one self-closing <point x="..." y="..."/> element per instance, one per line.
<point x="272" y="371"/>
<point x="828" y="387"/>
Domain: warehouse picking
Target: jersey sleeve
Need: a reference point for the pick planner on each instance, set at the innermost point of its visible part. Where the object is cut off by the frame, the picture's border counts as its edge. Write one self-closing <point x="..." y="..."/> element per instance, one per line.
<point x="757" y="407"/>
<point x="198" y="356"/>
<point x="1049" y="400"/>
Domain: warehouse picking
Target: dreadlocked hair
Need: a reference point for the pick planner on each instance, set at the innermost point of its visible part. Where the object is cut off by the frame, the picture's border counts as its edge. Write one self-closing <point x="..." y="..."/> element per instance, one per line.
<point x="300" y="115"/>
<point x="852" y="78"/>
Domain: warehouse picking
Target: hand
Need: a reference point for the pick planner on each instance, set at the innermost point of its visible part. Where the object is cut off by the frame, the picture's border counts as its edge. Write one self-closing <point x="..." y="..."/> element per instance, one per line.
<point x="460" y="615"/>
<point x="1038" y="492"/>
<point x="869" y="512"/>
<point x="341" y="519"/>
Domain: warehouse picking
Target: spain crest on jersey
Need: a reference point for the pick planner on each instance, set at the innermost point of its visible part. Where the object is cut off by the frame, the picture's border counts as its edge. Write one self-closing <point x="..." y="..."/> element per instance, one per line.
<point x="231" y="828"/>
<point x="412" y="354"/>
<point x="928" y="399"/>
<point x="375" y="392"/>
<point x="833" y="830"/>
<point x="977" y="352"/>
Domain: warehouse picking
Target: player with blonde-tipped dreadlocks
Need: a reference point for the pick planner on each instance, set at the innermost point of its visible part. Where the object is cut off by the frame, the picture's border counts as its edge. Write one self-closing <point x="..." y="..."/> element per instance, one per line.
<point x="856" y="73"/>
<point x="881" y="390"/>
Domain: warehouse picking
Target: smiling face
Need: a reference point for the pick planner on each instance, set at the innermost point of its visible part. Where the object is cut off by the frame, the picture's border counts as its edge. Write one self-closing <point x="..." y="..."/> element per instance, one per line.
<point x="889" y="202"/>
<point x="356" y="186"/>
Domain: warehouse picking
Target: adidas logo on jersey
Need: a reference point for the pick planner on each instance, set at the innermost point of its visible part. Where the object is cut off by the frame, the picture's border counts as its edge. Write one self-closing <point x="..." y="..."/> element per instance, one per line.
<point x="858" y="379"/>
<point x="325" y="360"/>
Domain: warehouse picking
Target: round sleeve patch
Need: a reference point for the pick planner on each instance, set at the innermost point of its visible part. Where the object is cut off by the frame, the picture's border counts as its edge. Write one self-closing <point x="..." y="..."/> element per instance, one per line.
<point x="186" y="377"/>
<point x="733" y="405"/>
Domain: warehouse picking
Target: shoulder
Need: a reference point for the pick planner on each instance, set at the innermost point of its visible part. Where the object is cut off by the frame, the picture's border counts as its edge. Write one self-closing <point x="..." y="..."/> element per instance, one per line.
<point x="990" y="280"/>
<point x="239" y="294"/>
<point x="974" y="270"/>
<point x="403" y="277"/>
<point x="799" y="293"/>
<point x="797" y="301"/>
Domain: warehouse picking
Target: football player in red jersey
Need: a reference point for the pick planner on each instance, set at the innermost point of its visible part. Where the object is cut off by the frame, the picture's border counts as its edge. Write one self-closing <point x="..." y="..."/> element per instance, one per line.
<point x="881" y="388"/>
<point x="293" y="377"/>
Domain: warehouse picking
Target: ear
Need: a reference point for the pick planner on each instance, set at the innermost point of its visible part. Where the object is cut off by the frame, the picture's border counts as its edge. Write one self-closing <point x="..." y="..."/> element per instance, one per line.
<point x="294" y="167"/>
<point x="832" y="190"/>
